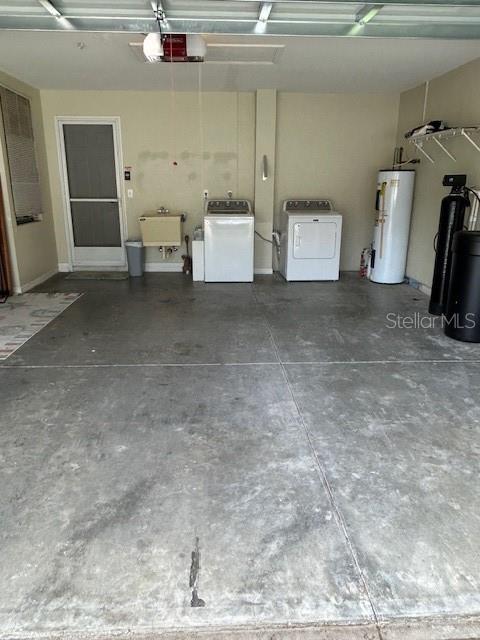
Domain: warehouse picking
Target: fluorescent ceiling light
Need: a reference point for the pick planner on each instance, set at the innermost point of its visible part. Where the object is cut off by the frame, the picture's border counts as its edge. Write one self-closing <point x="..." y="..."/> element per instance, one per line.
<point x="367" y="13"/>
<point x="46" y="4"/>
<point x="265" y="10"/>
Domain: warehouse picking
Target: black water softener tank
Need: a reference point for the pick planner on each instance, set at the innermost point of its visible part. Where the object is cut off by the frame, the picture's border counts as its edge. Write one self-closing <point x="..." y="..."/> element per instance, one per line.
<point x="462" y="314"/>
<point x="452" y="214"/>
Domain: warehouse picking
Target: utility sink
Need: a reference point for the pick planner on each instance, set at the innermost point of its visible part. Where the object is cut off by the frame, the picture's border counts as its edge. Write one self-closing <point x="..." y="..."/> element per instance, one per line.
<point x="163" y="230"/>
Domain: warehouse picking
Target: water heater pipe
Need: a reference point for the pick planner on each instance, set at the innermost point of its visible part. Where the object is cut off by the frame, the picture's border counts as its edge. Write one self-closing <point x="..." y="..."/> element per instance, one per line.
<point x="474" y="210"/>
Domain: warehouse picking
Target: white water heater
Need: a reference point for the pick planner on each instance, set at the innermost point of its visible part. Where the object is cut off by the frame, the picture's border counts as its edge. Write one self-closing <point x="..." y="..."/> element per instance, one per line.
<point x="392" y="226"/>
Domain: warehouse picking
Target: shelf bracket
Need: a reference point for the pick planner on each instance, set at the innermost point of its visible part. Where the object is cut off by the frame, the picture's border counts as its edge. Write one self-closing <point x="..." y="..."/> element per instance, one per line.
<point x="468" y="137"/>
<point x="445" y="149"/>
<point x="419" y="148"/>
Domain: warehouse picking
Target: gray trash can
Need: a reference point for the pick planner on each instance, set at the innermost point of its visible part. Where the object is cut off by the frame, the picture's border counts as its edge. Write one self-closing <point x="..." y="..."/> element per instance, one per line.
<point x="135" y="257"/>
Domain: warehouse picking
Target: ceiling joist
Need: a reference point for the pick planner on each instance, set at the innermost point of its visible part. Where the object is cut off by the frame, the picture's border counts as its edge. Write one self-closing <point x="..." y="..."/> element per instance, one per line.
<point x="52" y="10"/>
<point x="265" y="11"/>
<point x="426" y="3"/>
<point x="453" y="19"/>
<point x="367" y="13"/>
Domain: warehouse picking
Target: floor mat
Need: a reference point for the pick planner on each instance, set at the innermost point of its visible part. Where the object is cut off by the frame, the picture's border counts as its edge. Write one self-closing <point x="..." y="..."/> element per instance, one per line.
<point x="21" y="317"/>
<point x="97" y="275"/>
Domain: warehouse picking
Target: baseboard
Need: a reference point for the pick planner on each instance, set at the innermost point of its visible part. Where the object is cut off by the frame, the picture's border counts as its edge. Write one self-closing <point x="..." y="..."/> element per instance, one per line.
<point x="34" y="283"/>
<point x="157" y="267"/>
<point x="98" y="266"/>
<point x="65" y="267"/>
<point x="150" y="267"/>
<point x="177" y="267"/>
<point x="419" y="285"/>
<point x="424" y="289"/>
<point x="263" y="271"/>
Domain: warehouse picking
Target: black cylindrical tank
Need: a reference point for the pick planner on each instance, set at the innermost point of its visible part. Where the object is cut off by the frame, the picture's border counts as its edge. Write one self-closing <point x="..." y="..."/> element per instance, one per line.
<point x="452" y="214"/>
<point x="462" y="314"/>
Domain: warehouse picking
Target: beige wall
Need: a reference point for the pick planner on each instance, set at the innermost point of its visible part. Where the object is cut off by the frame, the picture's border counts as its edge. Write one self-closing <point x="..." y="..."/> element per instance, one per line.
<point x="326" y="144"/>
<point x="455" y="98"/>
<point x="34" y="243"/>
<point x="153" y="140"/>
<point x="333" y="145"/>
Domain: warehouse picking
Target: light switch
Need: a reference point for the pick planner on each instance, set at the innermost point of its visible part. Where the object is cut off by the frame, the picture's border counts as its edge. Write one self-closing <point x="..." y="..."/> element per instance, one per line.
<point x="129" y="193"/>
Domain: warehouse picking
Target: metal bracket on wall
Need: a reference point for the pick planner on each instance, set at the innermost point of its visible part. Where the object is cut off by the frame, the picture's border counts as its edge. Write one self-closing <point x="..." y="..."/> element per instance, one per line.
<point x="419" y="147"/>
<point x="463" y="132"/>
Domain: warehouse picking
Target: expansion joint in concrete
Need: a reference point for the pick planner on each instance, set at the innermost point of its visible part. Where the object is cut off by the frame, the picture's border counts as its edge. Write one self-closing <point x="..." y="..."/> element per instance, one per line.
<point x="323" y="475"/>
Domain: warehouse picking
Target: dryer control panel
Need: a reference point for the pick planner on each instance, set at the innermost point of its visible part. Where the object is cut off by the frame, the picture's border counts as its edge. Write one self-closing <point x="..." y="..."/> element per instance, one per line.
<point x="316" y="205"/>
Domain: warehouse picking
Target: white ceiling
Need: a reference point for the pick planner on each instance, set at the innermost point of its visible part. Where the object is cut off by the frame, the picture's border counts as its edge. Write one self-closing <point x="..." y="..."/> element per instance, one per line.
<point x="81" y="60"/>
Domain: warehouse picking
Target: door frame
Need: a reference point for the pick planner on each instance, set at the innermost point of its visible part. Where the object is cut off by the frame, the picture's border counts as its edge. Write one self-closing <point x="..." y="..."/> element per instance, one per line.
<point x="117" y="143"/>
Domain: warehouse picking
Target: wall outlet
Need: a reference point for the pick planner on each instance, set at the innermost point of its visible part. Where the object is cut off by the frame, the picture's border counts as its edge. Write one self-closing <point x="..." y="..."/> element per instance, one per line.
<point x="129" y="193"/>
<point x="205" y="194"/>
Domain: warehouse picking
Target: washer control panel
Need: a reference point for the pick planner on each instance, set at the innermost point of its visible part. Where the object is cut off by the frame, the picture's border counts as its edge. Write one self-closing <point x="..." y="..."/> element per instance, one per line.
<point x="229" y="206"/>
<point x="316" y="205"/>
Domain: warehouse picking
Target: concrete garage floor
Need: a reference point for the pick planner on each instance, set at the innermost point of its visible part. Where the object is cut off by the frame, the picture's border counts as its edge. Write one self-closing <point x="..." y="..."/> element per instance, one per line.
<point x="324" y="466"/>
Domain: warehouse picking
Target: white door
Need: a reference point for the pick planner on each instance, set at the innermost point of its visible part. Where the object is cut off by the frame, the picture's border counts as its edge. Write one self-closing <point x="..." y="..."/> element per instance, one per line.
<point x="314" y="240"/>
<point x="90" y="151"/>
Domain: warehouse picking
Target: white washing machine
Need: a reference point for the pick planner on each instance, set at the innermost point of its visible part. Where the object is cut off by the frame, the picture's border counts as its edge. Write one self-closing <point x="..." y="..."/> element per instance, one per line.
<point x="310" y="240"/>
<point x="228" y="241"/>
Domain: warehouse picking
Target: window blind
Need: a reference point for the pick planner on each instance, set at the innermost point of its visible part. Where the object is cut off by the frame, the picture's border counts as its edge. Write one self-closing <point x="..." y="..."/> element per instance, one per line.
<point x="19" y="143"/>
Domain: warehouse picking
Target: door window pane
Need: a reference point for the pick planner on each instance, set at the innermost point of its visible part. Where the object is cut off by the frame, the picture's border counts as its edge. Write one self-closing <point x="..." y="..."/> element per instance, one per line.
<point x="90" y="155"/>
<point x="95" y="224"/>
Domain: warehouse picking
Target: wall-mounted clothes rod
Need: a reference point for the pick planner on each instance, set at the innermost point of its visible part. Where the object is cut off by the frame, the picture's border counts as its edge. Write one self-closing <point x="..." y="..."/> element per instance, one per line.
<point x="437" y="137"/>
